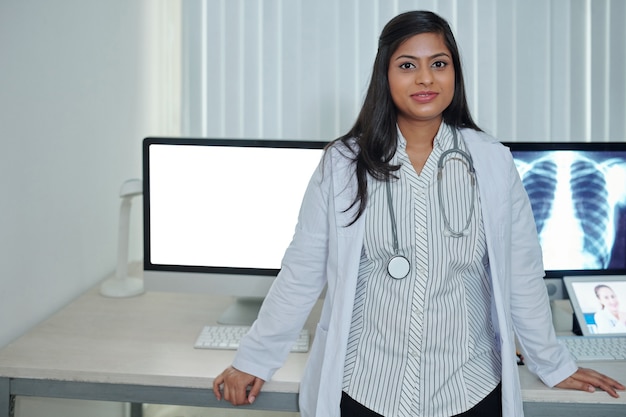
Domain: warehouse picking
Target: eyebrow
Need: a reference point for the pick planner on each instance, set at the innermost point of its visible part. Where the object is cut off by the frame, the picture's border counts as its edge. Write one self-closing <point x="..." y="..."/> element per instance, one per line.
<point x="440" y="54"/>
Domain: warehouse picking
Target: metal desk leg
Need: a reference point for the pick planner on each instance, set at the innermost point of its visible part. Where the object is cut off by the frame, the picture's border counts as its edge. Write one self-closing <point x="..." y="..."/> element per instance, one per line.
<point x="7" y="401"/>
<point x="136" y="410"/>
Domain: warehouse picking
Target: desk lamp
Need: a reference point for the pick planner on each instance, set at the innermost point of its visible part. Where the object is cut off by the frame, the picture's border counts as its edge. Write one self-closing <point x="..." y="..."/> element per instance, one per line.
<point x="122" y="285"/>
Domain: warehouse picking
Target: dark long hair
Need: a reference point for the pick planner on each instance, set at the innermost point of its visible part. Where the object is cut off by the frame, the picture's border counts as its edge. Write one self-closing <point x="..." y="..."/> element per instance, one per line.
<point x="374" y="131"/>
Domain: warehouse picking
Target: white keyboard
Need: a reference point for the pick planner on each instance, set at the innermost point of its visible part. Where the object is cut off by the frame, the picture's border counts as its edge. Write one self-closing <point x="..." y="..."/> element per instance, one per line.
<point x="228" y="337"/>
<point x="601" y="348"/>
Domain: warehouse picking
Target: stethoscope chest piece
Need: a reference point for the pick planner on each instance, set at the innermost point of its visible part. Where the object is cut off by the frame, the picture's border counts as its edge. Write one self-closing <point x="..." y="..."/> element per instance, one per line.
<point x="398" y="267"/>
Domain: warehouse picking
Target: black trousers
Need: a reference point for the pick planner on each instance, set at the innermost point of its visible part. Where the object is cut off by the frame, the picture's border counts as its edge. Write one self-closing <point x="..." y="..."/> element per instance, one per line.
<point x="490" y="406"/>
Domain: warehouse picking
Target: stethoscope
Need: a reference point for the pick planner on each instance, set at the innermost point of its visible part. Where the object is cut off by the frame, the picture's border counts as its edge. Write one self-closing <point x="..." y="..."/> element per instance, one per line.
<point x="399" y="265"/>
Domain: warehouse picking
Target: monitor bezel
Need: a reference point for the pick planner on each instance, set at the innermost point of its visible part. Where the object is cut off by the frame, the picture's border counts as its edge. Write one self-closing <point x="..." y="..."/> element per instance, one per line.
<point x="606" y="146"/>
<point x="148" y="265"/>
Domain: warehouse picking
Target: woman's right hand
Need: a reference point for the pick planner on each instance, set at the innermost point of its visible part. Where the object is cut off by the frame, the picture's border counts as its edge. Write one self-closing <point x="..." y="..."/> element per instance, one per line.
<point x="232" y="385"/>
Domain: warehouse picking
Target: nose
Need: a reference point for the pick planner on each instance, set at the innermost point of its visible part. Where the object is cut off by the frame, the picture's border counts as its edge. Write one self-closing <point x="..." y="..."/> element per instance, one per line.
<point x="424" y="76"/>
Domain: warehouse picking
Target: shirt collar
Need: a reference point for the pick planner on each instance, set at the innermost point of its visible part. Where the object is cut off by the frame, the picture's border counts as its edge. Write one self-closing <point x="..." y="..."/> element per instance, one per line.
<point x="443" y="138"/>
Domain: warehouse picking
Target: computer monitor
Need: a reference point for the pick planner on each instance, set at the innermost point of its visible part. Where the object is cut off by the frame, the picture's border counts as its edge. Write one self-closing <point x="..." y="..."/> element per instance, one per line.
<point x="578" y="197"/>
<point x="220" y="213"/>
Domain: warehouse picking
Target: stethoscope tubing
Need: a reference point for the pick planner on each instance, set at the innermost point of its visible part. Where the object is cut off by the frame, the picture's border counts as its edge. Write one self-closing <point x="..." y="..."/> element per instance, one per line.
<point x="448" y="231"/>
<point x="399" y="266"/>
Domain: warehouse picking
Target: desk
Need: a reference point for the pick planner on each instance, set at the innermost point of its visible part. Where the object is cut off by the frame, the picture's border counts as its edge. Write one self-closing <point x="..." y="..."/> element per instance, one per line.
<point x="140" y="350"/>
<point x="541" y="401"/>
<point x="137" y="350"/>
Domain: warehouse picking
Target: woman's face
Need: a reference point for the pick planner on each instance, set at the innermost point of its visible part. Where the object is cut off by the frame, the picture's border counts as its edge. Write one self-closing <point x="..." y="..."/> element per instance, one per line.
<point x="608" y="299"/>
<point x="421" y="78"/>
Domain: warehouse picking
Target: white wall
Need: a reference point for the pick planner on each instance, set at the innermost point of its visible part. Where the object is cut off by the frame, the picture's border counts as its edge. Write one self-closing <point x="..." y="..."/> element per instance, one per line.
<point x="76" y="99"/>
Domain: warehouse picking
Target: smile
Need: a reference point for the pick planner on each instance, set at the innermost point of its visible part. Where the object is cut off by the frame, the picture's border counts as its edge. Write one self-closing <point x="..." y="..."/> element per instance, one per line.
<point x="424" y="97"/>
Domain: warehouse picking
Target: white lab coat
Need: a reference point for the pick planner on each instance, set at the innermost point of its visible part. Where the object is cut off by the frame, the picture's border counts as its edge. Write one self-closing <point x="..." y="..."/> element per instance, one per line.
<point x="326" y="252"/>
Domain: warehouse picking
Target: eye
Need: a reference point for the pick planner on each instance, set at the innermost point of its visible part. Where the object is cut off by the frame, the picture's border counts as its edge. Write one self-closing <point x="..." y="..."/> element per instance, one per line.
<point x="407" y="65"/>
<point x="439" y="64"/>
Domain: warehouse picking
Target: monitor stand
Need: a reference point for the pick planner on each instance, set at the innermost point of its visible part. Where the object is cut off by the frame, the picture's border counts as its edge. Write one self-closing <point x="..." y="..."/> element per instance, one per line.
<point x="243" y="312"/>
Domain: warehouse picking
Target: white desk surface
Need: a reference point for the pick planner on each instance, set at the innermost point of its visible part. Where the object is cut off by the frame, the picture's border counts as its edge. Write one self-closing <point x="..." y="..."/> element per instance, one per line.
<point x="533" y="390"/>
<point x="148" y="340"/>
<point x="145" y="340"/>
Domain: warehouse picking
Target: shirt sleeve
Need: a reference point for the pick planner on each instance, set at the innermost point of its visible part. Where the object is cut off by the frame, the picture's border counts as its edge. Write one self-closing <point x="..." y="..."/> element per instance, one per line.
<point x="530" y="306"/>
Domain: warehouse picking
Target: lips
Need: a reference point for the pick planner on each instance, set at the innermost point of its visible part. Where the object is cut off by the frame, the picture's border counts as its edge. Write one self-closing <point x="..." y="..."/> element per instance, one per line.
<point x="424" y="96"/>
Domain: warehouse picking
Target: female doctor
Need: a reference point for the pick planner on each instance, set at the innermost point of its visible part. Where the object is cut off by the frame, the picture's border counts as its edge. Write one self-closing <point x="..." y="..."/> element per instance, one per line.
<point x="418" y="225"/>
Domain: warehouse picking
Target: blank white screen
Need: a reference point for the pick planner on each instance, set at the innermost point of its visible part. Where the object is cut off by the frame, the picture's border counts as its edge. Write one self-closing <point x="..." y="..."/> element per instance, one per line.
<point x="225" y="206"/>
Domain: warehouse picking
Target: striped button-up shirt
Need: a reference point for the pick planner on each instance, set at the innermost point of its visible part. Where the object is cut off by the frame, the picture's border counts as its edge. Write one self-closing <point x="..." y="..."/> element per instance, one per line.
<point x="423" y="345"/>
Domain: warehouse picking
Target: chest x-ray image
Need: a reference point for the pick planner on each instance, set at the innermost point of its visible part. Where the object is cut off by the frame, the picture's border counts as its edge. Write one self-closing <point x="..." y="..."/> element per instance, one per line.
<point x="579" y="202"/>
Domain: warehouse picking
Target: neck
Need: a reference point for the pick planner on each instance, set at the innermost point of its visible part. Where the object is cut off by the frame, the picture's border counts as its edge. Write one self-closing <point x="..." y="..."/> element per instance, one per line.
<point x="419" y="141"/>
<point x="419" y="134"/>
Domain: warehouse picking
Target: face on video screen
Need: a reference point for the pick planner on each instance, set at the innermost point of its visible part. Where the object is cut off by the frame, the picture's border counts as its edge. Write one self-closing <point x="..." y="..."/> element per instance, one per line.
<point x="603" y="305"/>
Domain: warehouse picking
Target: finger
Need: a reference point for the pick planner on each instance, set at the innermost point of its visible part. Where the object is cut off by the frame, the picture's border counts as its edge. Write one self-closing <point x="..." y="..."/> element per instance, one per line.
<point x="216" y="387"/>
<point x="576" y="384"/>
<point x="231" y="394"/>
<point x="602" y="381"/>
<point x="589" y="379"/>
<point x="255" y="390"/>
<point x="610" y="386"/>
<point x="235" y="392"/>
<point x="612" y="382"/>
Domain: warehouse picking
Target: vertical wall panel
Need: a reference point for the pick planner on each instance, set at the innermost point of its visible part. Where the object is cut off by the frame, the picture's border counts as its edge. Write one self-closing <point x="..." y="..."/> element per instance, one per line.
<point x="349" y="74"/>
<point x="270" y="66"/>
<point x="483" y="91"/>
<point x="211" y="96"/>
<point x="191" y="69"/>
<point x="251" y="69"/>
<point x="367" y="44"/>
<point x="534" y="70"/>
<point x="464" y="27"/>
<point x="327" y="64"/>
<point x="233" y="82"/>
<point x="560" y="74"/>
<point x="505" y="72"/>
<point x="617" y="80"/>
<point x="598" y="73"/>
<point x="577" y="68"/>
<point x="312" y="98"/>
<point x="295" y="59"/>
<point x="422" y="5"/>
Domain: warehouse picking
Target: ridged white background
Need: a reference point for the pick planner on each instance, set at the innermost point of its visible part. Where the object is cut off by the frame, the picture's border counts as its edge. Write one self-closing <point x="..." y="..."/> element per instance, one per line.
<point x="535" y="70"/>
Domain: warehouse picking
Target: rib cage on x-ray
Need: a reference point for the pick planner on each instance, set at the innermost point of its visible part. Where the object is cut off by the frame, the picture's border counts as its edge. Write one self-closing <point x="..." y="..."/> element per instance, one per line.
<point x="573" y="201"/>
<point x="591" y="207"/>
